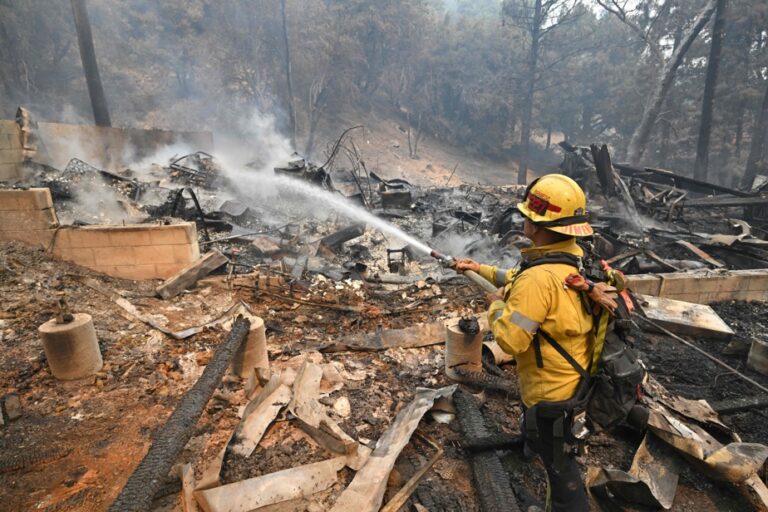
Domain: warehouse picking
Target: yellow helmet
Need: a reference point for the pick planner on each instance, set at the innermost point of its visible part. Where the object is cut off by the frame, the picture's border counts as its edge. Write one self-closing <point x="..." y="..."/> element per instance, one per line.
<point x="557" y="203"/>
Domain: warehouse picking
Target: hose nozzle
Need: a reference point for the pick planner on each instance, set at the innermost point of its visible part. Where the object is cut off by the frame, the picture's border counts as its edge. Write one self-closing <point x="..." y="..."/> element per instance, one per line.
<point x="444" y="259"/>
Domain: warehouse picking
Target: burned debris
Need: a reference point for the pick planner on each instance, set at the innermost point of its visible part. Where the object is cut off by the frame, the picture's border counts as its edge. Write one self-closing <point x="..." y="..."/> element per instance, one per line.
<point x="301" y="357"/>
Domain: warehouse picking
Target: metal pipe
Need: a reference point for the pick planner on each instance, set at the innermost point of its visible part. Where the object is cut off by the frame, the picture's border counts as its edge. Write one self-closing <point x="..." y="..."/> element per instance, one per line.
<point x="171" y="438"/>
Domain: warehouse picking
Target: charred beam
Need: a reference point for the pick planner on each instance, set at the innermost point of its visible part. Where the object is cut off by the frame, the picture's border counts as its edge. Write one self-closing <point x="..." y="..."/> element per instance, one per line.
<point x="151" y="472"/>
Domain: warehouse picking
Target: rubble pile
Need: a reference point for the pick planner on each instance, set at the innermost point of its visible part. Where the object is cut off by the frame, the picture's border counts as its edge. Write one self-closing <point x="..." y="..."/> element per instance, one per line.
<point x="353" y="408"/>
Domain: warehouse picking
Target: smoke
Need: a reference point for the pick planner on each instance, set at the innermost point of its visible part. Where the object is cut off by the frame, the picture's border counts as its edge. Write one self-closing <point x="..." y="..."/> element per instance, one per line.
<point x="256" y="143"/>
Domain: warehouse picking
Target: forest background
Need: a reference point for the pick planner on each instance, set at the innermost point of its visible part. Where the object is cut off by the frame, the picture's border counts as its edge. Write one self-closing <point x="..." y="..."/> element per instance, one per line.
<point x="677" y="84"/>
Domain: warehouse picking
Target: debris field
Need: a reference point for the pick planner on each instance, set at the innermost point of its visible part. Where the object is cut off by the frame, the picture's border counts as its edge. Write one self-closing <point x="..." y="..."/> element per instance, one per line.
<point x="294" y="358"/>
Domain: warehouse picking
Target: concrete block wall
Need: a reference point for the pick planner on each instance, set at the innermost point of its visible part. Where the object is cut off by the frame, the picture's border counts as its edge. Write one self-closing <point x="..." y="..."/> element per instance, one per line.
<point x="132" y="252"/>
<point x="11" y="154"/>
<point x="140" y="251"/>
<point x="704" y="287"/>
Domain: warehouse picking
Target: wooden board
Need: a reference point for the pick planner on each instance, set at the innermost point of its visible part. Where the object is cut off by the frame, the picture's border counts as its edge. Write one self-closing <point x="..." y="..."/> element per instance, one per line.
<point x="187" y="277"/>
<point x="685" y="317"/>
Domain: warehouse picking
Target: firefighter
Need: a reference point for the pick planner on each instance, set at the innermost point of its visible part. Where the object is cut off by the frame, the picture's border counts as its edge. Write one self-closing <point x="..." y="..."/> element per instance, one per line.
<point x="547" y="327"/>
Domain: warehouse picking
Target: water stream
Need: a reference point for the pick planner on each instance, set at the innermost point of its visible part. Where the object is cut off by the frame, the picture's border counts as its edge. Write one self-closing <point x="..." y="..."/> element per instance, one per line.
<point x="318" y="201"/>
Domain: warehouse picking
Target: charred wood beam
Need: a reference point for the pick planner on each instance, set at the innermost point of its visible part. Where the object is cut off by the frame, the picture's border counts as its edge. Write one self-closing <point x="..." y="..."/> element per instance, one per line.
<point x="171" y="438"/>
<point x="491" y="480"/>
<point x="666" y="177"/>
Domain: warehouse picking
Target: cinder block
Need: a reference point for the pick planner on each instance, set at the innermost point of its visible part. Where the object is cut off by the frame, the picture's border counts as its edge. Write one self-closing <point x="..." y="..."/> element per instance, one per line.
<point x="134" y="272"/>
<point x="183" y="254"/>
<point x="155" y="254"/>
<point x="89" y="237"/>
<point x="114" y="256"/>
<point x="10" y="172"/>
<point x="36" y="238"/>
<point x="759" y="283"/>
<point x="130" y="236"/>
<point x="14" y="220"/>
<point x="11" y="156"/>
<point x="32" y="199"/>
<point x="174" y="234"/>
<point x="82" y="256"/>
<point x="166" y="270"/>
<point x="645" y="284"/>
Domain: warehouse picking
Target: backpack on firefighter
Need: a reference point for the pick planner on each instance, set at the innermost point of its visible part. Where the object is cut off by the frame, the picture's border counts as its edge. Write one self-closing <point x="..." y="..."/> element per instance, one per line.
<point x="610" y="385"/>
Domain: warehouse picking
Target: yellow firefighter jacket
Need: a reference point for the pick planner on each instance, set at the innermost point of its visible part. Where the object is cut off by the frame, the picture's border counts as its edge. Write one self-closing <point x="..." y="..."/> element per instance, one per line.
<point x="538" y="298"/>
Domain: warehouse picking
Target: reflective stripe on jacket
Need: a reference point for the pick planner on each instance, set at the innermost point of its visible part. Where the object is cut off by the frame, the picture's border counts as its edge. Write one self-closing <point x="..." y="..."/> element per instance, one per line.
<point x="538" y="298"/>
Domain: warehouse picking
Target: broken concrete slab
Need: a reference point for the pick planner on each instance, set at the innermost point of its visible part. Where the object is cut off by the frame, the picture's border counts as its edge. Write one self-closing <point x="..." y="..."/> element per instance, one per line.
<point x="188" y="276"/>
<point x="684" y="317"/>
<point x="366" y="491"/>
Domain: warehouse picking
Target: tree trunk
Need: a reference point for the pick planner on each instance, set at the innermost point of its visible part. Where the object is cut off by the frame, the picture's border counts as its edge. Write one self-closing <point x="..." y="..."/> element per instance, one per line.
<point x="755" y="161"/>
<point x="643" y="132"/>
<point x="90" y="67"/>
<point x="533" y="58"/>
<point x="701" y="167"/>
<point x="288" y="82"/>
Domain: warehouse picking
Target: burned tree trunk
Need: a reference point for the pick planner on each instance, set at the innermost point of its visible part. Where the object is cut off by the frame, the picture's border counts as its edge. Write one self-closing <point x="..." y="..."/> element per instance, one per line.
<point x="701" y="166"/>
<point x="316" y="96"/>
<point x="756" y="159"/>
<point x="643" y="132"/>
<point x="288" y="81"/>
<point x="90" y="66"/>
<point x="533" y="60"/>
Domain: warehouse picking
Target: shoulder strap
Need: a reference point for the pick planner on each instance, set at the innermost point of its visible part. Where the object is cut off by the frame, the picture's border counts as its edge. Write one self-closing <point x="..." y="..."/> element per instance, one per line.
<point x="553" y="258"/>
<point x="560" y="350"/>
